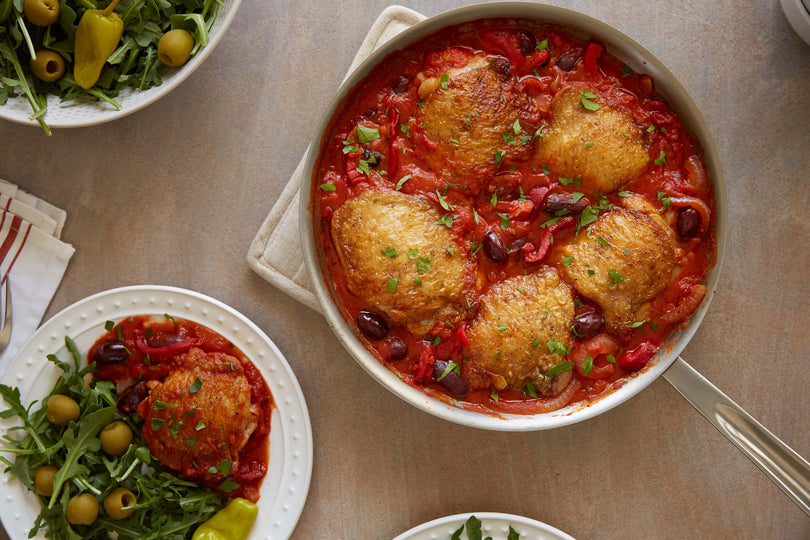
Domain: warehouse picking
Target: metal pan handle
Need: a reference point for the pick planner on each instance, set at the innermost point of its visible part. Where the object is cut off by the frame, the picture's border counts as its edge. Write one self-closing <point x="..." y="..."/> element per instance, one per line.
<point x="778" y="461"/>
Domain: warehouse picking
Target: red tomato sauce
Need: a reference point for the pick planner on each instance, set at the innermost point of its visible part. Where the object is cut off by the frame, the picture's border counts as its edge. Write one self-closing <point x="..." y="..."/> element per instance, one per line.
<point x="387" y="100"/>
<point x="150" y="348"/>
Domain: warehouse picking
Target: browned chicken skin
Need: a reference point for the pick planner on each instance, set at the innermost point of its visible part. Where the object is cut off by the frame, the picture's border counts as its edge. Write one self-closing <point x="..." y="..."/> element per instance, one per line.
<point x="400" y="260"/>
<point x="517" y="319"/>
<point x="626" y="258"/>
<point x="467" y="120"/>
<point x="605" y="146"/>
<point x="200" y="415"/>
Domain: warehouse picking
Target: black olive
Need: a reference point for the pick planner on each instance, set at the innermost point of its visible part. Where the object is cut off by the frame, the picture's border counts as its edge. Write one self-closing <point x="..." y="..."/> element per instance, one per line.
<point x="372" y="326"/>
<point x="688" y="222"/>
<point x="401" y="84"/>
<point x="110" y="352"/>
<point x="130" y="398"/>
<point x="587" y="325"/>
<point x="528" y="43"/>
<point x="451" y="380"/>
<point x="567" y="61"/>
<point x="556" y="202"/>
<point x="397" y="348"/>
<point x="494" y="249"/>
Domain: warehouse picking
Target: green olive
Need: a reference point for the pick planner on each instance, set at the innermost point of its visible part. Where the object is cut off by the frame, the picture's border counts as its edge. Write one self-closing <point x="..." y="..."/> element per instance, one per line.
<point x="174" y="48"/>
<point x="43" y="480"/>
<point x="82" y="509"/>
<point x="62" y="409"/>
<point x="115" y="438"/>
<point x="41" y="12"/>
<point x="48" y="66"/>
<point x="117" y="500"/>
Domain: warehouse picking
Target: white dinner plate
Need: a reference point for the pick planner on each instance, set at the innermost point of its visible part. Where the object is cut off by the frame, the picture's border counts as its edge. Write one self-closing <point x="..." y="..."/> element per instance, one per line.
<point x="493" y="524"/>
<point x="285" y="487"/>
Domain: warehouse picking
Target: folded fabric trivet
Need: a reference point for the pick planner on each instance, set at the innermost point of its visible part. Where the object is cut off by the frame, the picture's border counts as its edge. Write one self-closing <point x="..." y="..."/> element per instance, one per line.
<point x="275" y="253"/>
<point x="33" y="257"/>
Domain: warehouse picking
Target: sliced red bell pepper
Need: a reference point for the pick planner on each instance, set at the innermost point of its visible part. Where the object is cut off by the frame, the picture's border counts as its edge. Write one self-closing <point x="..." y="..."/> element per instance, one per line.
<point x="637" y="358"/>
<point x="535" y="257"/>
<point x="173" y="349"/>
<point x="592" y="54"/>
<point x="461" y="333"/>
<point x="424" y="365"/>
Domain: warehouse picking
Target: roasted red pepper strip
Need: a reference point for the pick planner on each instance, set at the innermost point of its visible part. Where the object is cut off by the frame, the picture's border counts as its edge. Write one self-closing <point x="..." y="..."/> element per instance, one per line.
<point x="545" y="242"/>
<point x="424" y="365"/>
<point x="461" y="333"/>
<point x="393" y="156"/>
<point x="637" y="358"/>
<point x="174" y="348"/>
<point x="352" y="161"/>
<point x="592" y="54"/>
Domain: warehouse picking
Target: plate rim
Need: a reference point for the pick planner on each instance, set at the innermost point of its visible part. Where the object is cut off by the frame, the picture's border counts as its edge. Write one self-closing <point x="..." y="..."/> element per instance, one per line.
<point x="457" y="519"/>
<point x="282" y="499"/>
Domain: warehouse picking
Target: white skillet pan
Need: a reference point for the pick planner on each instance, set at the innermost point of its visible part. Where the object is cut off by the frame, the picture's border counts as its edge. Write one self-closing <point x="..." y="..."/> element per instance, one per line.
<point x="784" y="466"/>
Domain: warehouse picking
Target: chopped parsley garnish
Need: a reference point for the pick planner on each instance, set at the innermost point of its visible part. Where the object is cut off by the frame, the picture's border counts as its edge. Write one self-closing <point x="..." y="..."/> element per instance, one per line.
<point x="638" y="323"/>
<point x="504" y="220"/>
<point x="588" y="216"/>
<point x="557" y="347"/>
<point x="194" y="388"/>
<point x="493" y="200"/>
<point x="157" y="423"/>
<point x="402" y="181"/>
<point x="545" y="169"/>
<point x="502" y="327"/>
<point x="159" y="405"/>
<point x="542" y="45"/>
<point x="587" y="365"/>
<point x="392" y="285"/>
<point x="349" y="147"/>
<point x="405" y="130"/>
<point x="412" y="253"/>
<point x="451" y="366"/>
<point x="445" y="80"/>
<point x="587" y="96"/>
<point x="389" y="252"/>
<point x="665" y="201"/>
<point x="443" y="203"/>
<point x="109" y="325"/>
<point x="451" y="251"/>
<point x="561" y="367"/>
<point x="228" y="485"/>
<point x="602" y="241"/>
<point x="626" y="70"/>
<point x="191" y="442"/>
<point x="436" y="340"/>
<point x="610" y="358"/>
<point x="367" y="134"/>
<point x="200" y="425"/>
<point x="418" y="282"/>
<point x="494" y="395"/>
<point x="529" y="390"/>
<point x="362" y="165"/>
<point x="588" y="144"/>
<point x="499" y="156"/>
<point x="651" y="128"/>
<point x="446" y="220"/>
<point x="576" y="196"/>
<point x="423" y="264"/>
<point x="328" y="186"/>
<point x="615" y="277"/>
<point x="661" y="159"/>
<point x="567" y="260"/>
<point x="568" y="181"/>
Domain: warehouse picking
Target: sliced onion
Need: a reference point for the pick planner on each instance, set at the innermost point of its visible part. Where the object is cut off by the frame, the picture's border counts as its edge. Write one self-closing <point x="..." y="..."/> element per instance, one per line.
<point x="686" y="307"/>
<point x="596" y="346"/>
<point x="695" y="173"/>
<point x="698" y="205"/>
<point x="560" y="400"/>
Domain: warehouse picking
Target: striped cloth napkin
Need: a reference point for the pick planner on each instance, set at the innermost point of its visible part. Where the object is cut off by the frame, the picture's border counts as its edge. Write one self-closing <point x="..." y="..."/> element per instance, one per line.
<point x="32" y="257"/>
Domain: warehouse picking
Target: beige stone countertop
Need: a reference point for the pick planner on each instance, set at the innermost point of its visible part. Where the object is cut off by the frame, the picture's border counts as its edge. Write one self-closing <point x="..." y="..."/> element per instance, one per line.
<point x="173" y="195"/>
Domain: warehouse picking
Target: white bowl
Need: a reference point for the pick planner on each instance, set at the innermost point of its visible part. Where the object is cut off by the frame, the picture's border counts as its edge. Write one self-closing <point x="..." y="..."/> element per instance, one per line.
<point x="86" y="110"/>
<point x="620" y="46"/>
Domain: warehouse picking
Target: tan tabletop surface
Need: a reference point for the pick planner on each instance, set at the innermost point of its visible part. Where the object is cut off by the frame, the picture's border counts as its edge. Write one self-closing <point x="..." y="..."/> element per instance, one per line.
<point x="174" y="194"/>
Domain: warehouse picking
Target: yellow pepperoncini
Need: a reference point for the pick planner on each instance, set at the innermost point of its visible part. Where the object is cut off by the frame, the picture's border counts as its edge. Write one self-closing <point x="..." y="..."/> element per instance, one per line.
<point x="231" y="523"/>
<point x="97" y="36"/>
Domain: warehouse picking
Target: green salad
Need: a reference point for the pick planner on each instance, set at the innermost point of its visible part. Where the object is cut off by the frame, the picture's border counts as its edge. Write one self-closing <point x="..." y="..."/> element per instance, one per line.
<point x="38" y="46"/>
<point x="77" y="448"/>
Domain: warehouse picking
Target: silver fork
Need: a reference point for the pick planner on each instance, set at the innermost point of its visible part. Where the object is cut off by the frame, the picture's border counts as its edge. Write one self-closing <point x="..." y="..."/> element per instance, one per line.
<point x="5" y="332"/>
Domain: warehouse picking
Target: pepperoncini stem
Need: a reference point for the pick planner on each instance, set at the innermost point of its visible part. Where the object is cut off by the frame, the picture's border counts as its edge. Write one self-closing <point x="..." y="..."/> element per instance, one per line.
<point x="97" y="36"/>
<point x="231" y="523"/>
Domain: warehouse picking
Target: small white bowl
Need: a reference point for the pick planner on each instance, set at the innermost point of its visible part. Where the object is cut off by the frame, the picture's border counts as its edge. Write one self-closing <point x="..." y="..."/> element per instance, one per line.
<point x="86" y="110"/>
